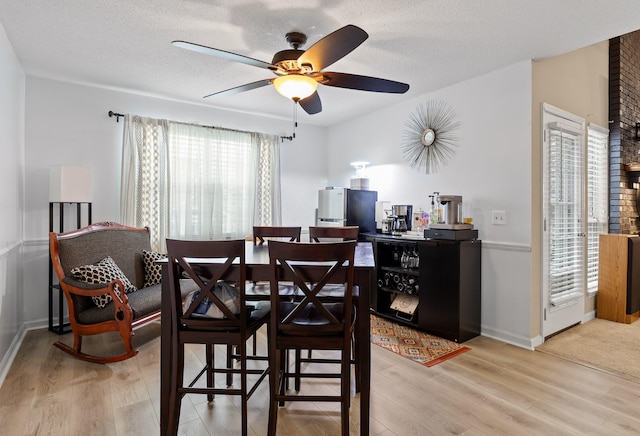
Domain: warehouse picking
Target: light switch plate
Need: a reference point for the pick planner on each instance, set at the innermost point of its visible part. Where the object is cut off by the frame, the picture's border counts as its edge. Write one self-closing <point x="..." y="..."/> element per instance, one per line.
<point x="499" y="218"/>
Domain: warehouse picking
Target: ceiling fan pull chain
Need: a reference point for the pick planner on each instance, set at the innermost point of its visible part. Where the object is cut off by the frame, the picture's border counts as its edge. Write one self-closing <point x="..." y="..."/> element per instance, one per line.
<point x="295" y="124"/>
<point x="295" y="117"/>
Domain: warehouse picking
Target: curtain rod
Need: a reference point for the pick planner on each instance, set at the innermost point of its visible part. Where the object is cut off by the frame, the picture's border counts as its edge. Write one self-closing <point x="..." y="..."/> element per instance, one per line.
<point x="282" y="138"/>
<point x="115" y="114"/>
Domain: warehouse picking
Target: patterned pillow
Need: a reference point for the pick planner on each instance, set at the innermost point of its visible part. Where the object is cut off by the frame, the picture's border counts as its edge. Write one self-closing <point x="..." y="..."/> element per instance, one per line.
<point x="103" y="272"/>
<point x="152" y="271"/>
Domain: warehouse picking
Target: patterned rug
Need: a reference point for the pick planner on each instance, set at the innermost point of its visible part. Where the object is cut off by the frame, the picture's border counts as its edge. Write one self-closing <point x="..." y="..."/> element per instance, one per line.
<point x="413" y="344"/>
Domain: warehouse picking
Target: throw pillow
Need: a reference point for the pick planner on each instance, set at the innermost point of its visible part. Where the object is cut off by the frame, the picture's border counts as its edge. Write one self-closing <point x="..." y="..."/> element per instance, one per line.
<point x="152" y="271"/>
<point x="103" y="272"/>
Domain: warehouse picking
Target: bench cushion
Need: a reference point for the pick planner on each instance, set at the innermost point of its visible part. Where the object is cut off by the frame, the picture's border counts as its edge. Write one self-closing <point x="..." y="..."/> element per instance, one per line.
<point x="143" y="302"/>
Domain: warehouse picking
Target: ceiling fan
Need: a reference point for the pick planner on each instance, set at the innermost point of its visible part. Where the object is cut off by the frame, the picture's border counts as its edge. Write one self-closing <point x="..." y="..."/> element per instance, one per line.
<point x="299" y="71"/>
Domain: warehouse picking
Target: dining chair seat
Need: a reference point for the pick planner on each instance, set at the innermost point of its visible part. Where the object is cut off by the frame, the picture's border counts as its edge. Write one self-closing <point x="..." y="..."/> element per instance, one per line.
<point x="310" y="316"/>
<point x="261" y="290"/>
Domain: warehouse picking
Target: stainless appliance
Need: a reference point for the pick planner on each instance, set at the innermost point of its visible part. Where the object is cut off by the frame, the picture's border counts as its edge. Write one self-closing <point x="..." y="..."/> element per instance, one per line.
<point x="347" y="207"/>
<point x="450" y="218"/>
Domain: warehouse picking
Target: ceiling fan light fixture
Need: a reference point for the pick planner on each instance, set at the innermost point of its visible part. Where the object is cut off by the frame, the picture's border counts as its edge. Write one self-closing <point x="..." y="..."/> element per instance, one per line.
<point x="295" y="86"/>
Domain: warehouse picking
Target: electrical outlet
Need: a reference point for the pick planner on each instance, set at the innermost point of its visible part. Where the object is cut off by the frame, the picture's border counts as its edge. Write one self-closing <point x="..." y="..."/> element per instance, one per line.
<point x="499" y="217"/>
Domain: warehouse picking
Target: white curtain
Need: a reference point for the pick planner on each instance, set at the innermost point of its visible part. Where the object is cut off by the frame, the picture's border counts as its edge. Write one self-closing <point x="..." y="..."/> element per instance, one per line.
<point x="143" y="190"/>
<point x="188" y="181"/>
<point x="212" y="182"/>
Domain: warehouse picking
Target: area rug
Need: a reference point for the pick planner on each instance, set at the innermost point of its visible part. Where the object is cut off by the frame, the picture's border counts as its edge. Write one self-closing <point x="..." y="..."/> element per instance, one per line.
<point x="423" y="348"/>
<point x="609" y="346"/>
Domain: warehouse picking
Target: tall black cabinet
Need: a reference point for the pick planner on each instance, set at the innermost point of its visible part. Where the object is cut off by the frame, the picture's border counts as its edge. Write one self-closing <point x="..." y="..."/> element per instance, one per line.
<point x="445" y="283"/>
<point x="450" y="288"/>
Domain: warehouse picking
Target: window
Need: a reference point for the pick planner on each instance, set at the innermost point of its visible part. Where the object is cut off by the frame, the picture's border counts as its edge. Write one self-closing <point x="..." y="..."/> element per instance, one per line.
<point x="195" y="182"/>
<point x="212" y="182"/>
<point x="597" y="198"/>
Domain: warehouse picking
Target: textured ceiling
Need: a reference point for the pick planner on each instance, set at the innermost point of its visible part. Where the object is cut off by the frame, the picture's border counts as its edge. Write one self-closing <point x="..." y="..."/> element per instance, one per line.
<point x="126" y="44"/>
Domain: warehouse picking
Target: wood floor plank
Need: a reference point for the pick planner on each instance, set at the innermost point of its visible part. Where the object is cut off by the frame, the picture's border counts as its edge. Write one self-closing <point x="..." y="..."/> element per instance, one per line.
<point x="493" y="389"/>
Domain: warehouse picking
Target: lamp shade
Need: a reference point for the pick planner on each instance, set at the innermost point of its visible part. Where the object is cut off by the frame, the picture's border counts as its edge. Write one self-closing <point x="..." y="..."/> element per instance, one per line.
<point x="70" y="184"/>
<point x="295" y="86"/>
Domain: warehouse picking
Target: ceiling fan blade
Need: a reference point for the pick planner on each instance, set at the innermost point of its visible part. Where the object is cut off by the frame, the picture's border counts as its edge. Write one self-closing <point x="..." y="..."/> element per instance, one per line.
<point x="222" y="54"/>
<point x="312" y="104"/>
<point x="333" y="47"/>
<point x="242" y="88"/>
<point x="363" y="83"/>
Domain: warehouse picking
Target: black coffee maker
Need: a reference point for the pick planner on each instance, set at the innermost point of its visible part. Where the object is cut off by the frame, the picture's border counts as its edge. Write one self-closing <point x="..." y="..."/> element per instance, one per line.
<point x="402" y="214"/>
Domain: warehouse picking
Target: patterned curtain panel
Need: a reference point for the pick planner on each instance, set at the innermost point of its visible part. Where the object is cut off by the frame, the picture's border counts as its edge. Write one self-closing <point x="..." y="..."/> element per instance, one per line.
<point x="143" y="192"/>
<point x="268" y="204"/>
<point x="195" y="182"/>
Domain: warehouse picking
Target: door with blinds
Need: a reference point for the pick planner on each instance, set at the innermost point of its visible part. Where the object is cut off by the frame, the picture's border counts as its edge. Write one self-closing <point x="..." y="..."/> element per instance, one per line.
<point x="564" y="254"/>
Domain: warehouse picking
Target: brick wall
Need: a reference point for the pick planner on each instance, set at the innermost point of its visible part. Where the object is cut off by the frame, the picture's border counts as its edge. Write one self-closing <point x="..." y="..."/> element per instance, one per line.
<point x="624" y="112"/>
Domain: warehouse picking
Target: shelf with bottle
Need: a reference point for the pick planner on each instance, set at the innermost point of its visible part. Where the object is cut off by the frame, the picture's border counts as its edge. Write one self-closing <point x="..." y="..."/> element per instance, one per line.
<point x="393" y="281"/>
<point x="404" y="256"/>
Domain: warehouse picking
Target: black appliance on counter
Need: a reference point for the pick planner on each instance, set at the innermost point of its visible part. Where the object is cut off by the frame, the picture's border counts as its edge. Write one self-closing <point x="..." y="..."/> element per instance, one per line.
<point x="347" y="207"/>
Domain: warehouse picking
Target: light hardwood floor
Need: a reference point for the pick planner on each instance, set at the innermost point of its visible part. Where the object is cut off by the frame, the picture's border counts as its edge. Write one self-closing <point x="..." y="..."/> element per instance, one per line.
<point x="494" y="389"/>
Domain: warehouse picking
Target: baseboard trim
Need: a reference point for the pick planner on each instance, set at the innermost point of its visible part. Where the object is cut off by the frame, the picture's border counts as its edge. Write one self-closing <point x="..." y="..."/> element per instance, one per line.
<point x="11" y="354"/>
<point x="502" y="336"/>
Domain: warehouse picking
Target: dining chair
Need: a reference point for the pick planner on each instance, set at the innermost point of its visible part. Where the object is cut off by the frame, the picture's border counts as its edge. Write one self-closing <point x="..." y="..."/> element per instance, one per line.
<point x="310" y="321"/>
<point x="321" y="234"/>
<point x="213" y="266"/>
<point x="346" y="233"/>
<point x="261" y="234"/>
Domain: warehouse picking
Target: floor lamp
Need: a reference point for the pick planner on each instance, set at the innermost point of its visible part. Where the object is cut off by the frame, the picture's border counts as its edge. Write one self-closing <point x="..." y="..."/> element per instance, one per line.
<point x="71" y="185"/>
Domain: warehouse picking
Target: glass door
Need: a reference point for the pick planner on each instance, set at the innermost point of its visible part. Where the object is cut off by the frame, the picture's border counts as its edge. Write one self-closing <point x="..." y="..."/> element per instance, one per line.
<point x="563" y="220"/>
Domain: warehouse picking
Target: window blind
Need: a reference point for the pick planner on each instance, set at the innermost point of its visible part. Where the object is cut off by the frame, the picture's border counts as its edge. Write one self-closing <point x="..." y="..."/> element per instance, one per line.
<point x="565" y="213"/>
<point x="597" y="198"/>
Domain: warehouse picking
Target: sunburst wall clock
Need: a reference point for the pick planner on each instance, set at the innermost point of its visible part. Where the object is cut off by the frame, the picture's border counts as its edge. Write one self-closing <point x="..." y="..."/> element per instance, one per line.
<point x="429" y="138"/>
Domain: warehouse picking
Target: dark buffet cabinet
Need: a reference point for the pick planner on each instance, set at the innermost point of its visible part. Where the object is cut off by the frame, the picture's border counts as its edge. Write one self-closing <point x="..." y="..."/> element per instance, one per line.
<point x="445" y="284"/>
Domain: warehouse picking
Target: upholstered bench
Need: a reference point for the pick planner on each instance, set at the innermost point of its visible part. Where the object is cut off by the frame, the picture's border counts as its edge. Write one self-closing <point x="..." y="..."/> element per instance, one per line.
<point x="111" y="283"/>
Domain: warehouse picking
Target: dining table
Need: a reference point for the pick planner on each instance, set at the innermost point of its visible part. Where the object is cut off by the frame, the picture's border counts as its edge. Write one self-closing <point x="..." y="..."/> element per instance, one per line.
<point x="258" y="269"/>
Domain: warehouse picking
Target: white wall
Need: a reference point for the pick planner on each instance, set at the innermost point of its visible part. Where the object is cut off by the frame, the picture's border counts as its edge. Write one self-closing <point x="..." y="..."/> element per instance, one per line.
<point x="12" y="88"/>
<point x="68" y="124"/>
<point x="491" y="169"/>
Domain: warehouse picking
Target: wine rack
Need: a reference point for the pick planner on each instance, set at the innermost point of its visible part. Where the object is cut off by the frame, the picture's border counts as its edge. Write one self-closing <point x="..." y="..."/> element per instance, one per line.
<point x="440" y="277"/>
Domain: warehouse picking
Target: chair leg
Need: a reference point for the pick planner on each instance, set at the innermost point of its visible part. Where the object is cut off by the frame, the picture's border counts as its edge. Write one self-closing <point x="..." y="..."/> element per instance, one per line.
<point x="356" y="359"/>
<point x="209" y="349"/>
<point x="285" y="363"/>
<point x="242" y="348"/>
<point x="282" y="373"/>
<point x="297" y="369"/>
<point x="275" y="361"/>
<point x="229" y="364"/>
<point x="175" y="398"/>
<point x="345" y="391"/>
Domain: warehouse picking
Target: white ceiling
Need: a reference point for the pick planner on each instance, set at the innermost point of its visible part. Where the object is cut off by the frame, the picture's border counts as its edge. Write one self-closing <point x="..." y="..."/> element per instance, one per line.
<point x="429" y="44"/>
